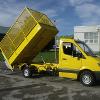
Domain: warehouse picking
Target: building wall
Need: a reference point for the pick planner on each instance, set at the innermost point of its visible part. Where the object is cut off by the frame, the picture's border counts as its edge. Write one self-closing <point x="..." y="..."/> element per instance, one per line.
<point x="88" y="34"/>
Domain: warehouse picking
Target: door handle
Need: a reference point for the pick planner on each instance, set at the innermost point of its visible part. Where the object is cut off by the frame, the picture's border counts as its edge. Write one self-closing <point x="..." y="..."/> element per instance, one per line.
<point x="64" y="59"/>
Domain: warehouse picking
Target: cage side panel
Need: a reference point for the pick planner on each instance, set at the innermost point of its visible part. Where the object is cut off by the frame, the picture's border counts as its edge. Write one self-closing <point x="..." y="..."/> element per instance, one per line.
<point x="26" y="38"/>
<point x="7" y="46"/>
<point x="45" y="20"/>
<point x="22" y="46"/>
<point x="37" y="15"/>
<point x="17" y="33"/>
<point x="36" y="44"/>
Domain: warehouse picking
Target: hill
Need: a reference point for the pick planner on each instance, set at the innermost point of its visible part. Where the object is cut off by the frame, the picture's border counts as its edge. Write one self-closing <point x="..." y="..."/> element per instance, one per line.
<point x="3" y="29"/>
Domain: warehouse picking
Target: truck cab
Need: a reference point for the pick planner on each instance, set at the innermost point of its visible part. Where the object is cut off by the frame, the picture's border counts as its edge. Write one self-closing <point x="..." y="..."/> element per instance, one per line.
<point x="77" y="61"/>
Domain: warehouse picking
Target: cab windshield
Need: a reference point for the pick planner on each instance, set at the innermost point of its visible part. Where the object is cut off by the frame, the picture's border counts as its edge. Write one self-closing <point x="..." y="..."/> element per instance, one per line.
<point x="86" y="49"/>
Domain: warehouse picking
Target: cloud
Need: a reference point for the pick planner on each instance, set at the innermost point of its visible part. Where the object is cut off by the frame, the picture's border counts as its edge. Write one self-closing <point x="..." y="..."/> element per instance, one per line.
<point x="10" y="10"/>
<point x="89" y="13"/>
<point x="79" y="2"/>
<point x="92" y="21"/>
<point x="5" y="19"/>
<point x="50" y="12"/>
<point x="88" y="10"/>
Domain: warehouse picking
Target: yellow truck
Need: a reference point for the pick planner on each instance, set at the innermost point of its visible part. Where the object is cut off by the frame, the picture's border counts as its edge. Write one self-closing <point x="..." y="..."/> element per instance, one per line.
<point x="31" y="33"/>
<point x="76" y="61"/>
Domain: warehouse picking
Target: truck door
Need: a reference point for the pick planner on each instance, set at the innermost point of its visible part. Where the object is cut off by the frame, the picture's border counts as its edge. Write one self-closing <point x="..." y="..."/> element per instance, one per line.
<point x="71" y="59"/>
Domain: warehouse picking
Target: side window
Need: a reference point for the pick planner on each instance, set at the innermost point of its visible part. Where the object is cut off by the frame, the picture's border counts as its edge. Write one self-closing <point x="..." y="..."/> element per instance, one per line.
<point x="67" y="48"/>
<point x="70" y="49"/>
<point x="75" y="51"/>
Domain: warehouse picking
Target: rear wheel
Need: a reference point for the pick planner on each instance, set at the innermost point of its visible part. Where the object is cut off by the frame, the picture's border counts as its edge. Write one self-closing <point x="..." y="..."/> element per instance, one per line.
<point x="27" y="72"/>
<point x="55" y="72"/>
<point x="87" y="78"/>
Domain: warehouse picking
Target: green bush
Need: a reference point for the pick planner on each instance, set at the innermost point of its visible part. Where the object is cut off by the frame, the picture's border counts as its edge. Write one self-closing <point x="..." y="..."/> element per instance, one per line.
<point x="48" y="56"/>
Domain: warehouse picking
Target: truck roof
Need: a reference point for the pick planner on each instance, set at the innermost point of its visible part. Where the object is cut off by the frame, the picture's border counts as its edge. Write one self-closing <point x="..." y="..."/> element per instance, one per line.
<point x="66" y="39"/>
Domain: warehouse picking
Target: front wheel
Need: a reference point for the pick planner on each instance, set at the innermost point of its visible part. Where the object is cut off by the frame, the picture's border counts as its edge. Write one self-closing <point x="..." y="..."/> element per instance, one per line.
<point x="27" y="73"/>
<point x="87" y="78"/>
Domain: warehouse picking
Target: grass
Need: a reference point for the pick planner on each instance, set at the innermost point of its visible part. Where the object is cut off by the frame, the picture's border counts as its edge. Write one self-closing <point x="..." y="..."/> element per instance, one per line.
<point x="48" y="56"/>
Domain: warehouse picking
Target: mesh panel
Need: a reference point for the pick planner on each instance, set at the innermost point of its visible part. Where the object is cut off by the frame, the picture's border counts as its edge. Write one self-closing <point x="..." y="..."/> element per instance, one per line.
<point x="36" y="15"/>
<point x="17" y="33"/>
<point x="19" y="24"/>
<point x="30" y="24"/>
<point x="46" y="21"/>
<point x="18" y="40"/>
<point x="7" y="46"/>
<point x="13" y="32"/>
<point x="21" y="28"/>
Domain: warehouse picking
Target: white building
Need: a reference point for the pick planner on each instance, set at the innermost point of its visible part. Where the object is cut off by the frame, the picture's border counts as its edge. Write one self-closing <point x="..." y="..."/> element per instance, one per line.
<point x="90" y="35"/>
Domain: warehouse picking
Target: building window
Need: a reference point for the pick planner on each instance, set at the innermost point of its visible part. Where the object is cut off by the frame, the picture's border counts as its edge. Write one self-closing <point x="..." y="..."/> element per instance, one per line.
<point x="91" y="41"/>
<point x="91" y="37"/>
<point x="95" y="41"/>
<point x="86" y="41"/>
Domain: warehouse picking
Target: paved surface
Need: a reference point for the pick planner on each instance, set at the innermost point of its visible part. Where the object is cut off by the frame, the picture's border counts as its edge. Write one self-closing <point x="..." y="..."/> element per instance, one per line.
<point x="14" y="87"/>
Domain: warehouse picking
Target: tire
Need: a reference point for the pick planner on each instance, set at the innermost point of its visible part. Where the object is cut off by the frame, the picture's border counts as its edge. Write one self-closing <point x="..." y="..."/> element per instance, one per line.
<point x="27" y="72"/>
<point x="55" y="72"/>
<point x="87" y="78"/>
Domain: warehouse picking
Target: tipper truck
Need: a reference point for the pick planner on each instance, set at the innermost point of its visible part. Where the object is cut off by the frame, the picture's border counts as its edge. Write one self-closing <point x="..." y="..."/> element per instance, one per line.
<point x="31" y="33"/>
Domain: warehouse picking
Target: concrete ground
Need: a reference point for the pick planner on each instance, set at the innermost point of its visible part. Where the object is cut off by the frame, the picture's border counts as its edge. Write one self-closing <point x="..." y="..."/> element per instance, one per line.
<point x="13" y="86"/>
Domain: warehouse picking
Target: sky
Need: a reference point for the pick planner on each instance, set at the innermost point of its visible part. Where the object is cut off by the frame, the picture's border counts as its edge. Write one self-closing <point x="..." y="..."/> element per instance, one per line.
<point x="65" y="13"/>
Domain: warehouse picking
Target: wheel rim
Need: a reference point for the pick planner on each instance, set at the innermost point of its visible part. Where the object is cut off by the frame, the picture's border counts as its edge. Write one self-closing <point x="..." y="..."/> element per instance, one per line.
<point x="26" y="72"/>
<point x="86" y="79"/>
